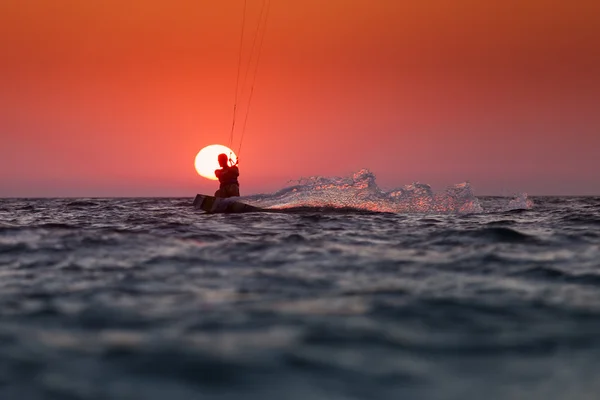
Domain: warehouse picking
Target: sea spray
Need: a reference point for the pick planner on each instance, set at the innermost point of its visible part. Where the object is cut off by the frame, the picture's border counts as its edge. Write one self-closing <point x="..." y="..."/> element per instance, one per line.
<point x="360" y="191"/>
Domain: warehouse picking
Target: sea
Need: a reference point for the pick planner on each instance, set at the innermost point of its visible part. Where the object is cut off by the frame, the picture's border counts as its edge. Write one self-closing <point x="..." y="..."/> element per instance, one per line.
<point x="339" y="290"/>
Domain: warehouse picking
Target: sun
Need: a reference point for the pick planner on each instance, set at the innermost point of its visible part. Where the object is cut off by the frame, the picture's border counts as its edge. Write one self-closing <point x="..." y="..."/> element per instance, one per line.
<point x="206" y="160"/>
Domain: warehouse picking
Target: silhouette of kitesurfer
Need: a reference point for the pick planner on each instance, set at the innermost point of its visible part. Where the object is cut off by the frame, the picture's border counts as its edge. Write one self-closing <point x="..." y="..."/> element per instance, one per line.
<point x="228" y="177"/>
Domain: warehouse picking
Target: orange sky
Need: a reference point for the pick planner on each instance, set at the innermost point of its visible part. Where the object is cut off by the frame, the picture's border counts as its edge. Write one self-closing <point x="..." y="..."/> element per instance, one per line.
<point x="115" y="98"/>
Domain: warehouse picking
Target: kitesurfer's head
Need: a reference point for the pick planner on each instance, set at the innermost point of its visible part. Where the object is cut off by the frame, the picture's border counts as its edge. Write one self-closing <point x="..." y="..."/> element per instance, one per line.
<point x="223" y="160"/>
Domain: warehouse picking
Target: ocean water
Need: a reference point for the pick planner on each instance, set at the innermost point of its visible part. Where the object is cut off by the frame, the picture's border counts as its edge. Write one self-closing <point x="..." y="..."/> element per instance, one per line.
<point x="348" y="292"/>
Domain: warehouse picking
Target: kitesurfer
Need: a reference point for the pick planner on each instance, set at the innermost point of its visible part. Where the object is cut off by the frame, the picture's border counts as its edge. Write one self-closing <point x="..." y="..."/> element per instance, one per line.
<point x="228" y="177"/>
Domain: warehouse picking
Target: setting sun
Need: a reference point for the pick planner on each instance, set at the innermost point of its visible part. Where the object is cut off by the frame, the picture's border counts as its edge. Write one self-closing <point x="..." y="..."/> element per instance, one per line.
<point x="206" y="160"/>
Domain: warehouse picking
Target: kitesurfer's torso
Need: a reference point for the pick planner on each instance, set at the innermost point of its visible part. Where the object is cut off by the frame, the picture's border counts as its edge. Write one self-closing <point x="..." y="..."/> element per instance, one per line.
<point x="230" y="186"/>
<point x="228" y="175"/>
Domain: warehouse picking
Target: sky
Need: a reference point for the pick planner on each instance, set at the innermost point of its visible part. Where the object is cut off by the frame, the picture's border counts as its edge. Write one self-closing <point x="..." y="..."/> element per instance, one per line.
<point x="115" y="98"/>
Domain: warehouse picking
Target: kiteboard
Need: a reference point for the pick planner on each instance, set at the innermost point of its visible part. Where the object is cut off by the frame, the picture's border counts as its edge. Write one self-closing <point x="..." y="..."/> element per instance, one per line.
<point x="212" y="204"/>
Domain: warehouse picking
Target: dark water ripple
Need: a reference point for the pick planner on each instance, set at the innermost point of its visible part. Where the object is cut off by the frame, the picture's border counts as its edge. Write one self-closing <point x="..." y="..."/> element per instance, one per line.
<point x="146" y="298"/>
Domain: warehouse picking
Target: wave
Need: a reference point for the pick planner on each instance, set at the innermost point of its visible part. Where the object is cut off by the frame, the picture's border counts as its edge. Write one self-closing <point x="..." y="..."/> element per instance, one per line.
<point x="360" y="192"/>
<point x="555" y="274"/>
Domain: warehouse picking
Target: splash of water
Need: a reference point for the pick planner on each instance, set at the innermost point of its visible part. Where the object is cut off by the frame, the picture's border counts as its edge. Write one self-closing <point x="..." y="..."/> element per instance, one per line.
<point x="519" y="202"/>
<point x="361" y="192"/>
